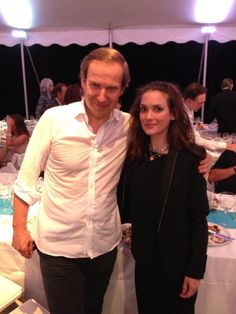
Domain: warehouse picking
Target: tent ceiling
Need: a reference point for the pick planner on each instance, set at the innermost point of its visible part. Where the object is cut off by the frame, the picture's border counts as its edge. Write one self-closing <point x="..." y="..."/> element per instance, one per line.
<point x="140" y="21"/>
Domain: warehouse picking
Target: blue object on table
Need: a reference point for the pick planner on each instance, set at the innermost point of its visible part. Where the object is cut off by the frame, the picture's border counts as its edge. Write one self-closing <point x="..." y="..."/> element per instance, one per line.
<point x="5" y="207"/>
<point x="218" y="217"/>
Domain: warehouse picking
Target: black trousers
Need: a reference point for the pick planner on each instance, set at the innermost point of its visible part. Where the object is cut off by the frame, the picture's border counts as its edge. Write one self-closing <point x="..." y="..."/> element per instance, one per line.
<point x="76" y="285"/>
<point x="158" y="295"/>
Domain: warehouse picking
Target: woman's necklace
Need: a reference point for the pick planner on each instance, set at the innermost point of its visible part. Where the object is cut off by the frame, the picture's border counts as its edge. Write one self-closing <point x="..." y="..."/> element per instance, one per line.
<point x="154" y="154"/>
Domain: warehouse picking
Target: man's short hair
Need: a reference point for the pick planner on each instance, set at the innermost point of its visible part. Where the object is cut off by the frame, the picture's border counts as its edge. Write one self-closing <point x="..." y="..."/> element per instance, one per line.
<point x="227" y="83"/>
<point x="193" y="90"/>
<point x="58" y="88"/>
<point x="105" y="54"/>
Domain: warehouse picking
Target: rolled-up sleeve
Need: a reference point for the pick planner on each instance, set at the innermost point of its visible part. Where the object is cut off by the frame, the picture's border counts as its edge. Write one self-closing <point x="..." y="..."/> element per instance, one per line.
<point x="35" y="159"/>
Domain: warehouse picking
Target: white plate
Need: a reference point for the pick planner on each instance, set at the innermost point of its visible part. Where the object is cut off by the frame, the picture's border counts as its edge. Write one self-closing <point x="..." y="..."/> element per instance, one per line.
<point x="214" y="240"/>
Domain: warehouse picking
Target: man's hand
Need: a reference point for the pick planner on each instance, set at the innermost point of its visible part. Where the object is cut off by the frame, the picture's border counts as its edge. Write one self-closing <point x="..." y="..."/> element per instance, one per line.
<point x="205" y="164"/>
<point x="23" y="242"/>
<point x="190" y="287"/>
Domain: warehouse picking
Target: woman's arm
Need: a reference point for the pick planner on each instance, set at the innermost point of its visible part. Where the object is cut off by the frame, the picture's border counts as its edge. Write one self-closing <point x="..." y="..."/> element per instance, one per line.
<point x="17" y="141"/>
<point x="198" y="208"/>
<point x="3" y="151"/>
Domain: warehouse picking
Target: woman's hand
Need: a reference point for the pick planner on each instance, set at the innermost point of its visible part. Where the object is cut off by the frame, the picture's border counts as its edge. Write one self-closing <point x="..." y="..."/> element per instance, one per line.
<point x="190" y="287"/>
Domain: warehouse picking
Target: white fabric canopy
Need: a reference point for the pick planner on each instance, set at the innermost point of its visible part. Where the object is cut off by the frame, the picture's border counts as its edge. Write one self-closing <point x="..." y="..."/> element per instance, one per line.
<point x="140" y="21"/>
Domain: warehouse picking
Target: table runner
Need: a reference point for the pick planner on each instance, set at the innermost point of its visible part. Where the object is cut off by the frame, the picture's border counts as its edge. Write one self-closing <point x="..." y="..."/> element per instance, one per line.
<point x="218" y="216"/>
<point x="5" y="207"/>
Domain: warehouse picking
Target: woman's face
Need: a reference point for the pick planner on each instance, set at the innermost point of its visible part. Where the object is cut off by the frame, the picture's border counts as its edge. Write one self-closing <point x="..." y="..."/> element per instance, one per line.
<point x="155" y="115"/>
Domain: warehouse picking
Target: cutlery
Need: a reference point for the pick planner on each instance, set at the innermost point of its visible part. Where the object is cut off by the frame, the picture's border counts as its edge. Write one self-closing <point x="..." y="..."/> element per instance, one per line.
<point x="220" y="235"/>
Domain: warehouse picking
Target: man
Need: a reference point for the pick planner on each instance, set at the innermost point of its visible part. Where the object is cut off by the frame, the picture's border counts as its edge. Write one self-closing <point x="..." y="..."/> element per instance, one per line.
<point x="59" y="92"/>
<point x="223" y="173"/>
<point x="81" y="148"/>
<point x="223" y="107"/>
<point x="194" y="98"/>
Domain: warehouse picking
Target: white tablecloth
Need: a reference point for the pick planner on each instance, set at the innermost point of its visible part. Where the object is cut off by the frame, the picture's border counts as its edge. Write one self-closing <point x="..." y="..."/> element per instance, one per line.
<point x="217" y="293"/>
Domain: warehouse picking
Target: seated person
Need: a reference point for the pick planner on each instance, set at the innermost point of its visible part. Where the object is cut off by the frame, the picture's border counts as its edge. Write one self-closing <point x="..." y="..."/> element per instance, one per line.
<point x="17" y="138"/>
<point x="45" y="100"/>
<point x="59" y="94"/>
<point x="223" y="173"/>
<point x="194" y="98"/>
<point x="73" y="94"/>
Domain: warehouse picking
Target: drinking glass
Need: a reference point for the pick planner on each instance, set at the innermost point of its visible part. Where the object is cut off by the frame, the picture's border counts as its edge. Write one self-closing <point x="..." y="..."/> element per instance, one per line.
<point x="226" y="201"/>
<point x="233" y="137"/>
<point x="4" y="196"/>
<point x="226" y="136"/>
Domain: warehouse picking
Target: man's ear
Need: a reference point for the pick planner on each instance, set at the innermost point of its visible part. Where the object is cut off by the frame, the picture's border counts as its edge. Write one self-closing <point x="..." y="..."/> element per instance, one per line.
<point x="122" y="91"/>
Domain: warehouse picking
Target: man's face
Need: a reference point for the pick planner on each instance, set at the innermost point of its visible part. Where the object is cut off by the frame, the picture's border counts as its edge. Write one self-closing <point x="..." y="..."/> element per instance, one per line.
<point x="102" y="89"/>
<point x="196" y="103"/>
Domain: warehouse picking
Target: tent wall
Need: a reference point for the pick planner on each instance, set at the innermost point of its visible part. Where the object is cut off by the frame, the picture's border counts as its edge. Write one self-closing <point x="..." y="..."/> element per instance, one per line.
<point x="173" y="62"/>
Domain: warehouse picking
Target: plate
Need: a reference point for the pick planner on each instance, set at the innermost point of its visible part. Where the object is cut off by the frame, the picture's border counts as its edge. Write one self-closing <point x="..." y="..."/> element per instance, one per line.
<point x="214" y="240"/>
<point x="126" y="234"/>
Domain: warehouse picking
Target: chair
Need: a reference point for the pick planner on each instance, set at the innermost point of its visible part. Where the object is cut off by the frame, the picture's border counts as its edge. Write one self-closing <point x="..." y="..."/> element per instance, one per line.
<point x="10" y="292"/>
<point x="30" y="307"/>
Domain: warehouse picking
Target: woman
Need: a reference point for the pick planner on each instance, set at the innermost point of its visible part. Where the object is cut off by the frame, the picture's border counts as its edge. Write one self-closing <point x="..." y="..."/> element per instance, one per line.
<point x="45" y="100"/>
<point x="164" y="196"/>
<point x="17" y="137"/>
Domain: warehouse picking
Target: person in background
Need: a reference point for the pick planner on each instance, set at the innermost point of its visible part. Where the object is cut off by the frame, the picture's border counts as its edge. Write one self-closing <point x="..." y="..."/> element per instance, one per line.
<point x="17" y="138"/>
<point x="194" y="98"/>
<point x="45" y="100"/>
<point x="223" y="173"/>
<point x="164" y="196"/>
<point x="223" y="107"/>
<point x="73" y="94"/>
<point x="59" y="94"/>
<point x="81" y="149"/>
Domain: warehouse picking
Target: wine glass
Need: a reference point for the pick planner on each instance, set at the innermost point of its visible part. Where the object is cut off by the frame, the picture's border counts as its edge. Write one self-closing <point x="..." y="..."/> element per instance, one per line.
<point x="226" y="201"/>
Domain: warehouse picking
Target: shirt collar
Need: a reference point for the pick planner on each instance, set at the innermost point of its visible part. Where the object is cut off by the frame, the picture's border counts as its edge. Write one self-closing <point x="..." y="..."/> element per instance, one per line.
<point x="58" y="101"/>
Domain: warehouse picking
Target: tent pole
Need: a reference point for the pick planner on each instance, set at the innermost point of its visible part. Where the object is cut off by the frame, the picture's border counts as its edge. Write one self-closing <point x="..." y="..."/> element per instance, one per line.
<point x="207" y="36"/>
<point x="24" y="78"/>
<point x="110" y="36"/>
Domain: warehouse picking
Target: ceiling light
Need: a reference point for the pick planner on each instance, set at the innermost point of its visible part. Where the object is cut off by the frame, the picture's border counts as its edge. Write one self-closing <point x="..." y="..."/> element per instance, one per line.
<point x="208" y="29"/>
<point x="17" y="13"/>
<point x="19" y="34"/>
<point x="212" y="11"/>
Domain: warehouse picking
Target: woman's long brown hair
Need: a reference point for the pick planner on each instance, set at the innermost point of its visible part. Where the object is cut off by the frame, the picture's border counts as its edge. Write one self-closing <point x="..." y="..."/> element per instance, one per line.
<point x="180" y="133"/>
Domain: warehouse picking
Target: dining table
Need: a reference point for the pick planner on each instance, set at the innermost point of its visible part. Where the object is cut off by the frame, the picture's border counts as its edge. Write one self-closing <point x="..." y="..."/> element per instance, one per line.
<point x="217" y="292"/>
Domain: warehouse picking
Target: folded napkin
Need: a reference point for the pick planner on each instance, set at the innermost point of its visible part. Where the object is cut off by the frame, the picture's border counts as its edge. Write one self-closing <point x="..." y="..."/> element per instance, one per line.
<point x="218" y="217"/>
